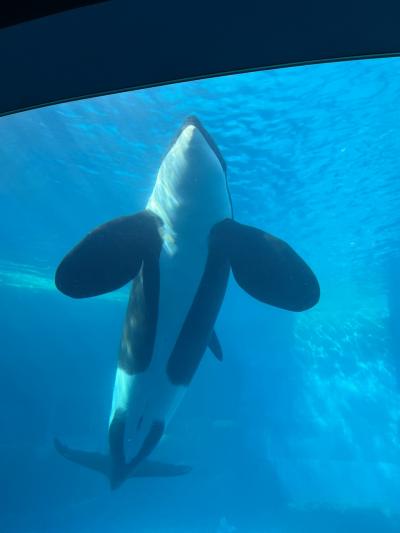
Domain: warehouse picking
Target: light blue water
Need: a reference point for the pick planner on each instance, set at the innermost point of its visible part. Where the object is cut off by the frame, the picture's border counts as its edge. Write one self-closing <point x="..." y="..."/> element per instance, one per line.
<point x="298" y="429"/>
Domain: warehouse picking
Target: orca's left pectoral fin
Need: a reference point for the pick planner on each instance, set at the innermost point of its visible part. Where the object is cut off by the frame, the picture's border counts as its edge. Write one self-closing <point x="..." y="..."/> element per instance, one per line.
<point x="268" y="268"/>
<point x="91" y="460"/>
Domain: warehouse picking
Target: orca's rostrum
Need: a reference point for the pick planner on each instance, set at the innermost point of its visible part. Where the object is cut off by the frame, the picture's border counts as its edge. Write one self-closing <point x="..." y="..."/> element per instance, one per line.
<point x="179" y="252"/>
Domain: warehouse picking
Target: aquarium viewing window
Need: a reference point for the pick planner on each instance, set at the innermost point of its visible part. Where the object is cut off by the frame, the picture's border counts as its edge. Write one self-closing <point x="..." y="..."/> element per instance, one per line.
<point x="298" y="428"/>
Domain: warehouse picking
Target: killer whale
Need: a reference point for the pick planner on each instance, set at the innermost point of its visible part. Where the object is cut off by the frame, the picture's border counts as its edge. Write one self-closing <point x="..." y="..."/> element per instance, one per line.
<point x="178" y="252"/>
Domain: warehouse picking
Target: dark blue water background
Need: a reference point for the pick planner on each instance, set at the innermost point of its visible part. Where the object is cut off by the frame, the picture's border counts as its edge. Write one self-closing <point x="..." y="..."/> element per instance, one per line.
<point x="298" y="429"/>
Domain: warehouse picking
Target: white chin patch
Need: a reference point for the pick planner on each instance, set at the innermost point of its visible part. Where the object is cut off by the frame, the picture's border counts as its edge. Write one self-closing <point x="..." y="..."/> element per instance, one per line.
<point x="190" y="194"/>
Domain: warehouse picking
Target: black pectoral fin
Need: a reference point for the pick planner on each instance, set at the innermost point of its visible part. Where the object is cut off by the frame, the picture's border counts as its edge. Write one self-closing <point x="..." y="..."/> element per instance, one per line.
<point x="92" y="460"/>
<point x="149" y="468"/>
<point x="269" y="269"/>
<point x="109" y="256"/>
<point x="215" y="346"/>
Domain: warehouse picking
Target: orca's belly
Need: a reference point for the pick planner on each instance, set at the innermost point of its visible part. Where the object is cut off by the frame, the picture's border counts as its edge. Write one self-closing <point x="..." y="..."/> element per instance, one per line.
<point x="153" y="397"/>
<point x="190" y="196"/>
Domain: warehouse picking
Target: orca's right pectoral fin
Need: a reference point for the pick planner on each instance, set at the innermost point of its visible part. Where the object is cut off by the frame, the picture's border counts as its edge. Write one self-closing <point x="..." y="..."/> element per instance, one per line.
<point x="91" y="460"/>
<point x="109" y="256"/>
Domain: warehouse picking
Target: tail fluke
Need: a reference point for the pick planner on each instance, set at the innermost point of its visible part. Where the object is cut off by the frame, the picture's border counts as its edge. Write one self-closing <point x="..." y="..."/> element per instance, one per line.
<point x="102" y="463"/>
<point x="91" y="460"/>
<point x="156" y="469"/>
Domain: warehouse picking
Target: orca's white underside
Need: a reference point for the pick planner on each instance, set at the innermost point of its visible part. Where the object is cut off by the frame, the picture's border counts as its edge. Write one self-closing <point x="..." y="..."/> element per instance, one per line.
<point x="190" y="196"/>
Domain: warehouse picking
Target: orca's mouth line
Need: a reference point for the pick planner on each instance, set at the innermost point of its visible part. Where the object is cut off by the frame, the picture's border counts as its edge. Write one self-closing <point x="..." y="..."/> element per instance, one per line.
<point x="194" y="121"/>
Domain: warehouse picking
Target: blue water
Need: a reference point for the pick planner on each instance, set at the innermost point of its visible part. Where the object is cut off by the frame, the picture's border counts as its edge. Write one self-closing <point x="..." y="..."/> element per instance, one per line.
<point x="298" y="429"/>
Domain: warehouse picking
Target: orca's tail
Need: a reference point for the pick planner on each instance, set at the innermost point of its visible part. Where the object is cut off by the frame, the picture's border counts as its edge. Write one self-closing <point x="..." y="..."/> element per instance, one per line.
<point x="92" y="460"/>
<point x="102" y="463"/>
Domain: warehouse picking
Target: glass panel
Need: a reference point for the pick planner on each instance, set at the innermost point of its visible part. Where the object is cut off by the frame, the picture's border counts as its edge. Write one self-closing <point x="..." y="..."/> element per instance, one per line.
<point x="298" y="429"/>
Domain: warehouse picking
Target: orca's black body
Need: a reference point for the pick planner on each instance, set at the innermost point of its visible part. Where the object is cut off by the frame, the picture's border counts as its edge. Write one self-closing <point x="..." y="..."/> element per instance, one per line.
<point x="179" y="253"/>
